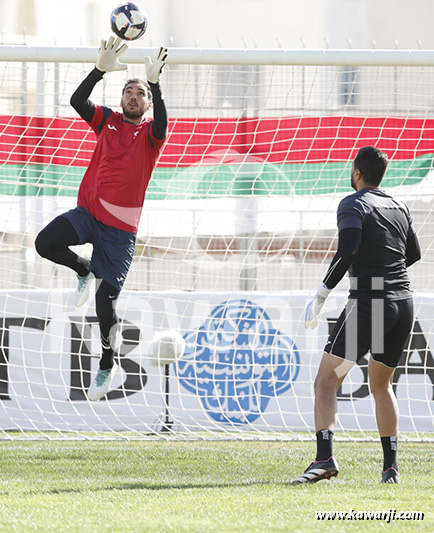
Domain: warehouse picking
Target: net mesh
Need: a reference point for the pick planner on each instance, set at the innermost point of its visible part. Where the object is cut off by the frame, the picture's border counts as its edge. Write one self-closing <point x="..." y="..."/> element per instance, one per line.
<point x="238" y="229"/>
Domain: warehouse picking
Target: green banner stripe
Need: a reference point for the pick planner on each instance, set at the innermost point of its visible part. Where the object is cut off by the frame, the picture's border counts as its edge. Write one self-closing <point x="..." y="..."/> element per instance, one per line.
<point x="40" y="180"/>
<point x="216" y="181"/>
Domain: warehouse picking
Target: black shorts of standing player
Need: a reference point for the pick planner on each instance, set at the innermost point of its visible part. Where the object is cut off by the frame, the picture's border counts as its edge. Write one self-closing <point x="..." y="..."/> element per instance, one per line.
<point x="380" y="326"/>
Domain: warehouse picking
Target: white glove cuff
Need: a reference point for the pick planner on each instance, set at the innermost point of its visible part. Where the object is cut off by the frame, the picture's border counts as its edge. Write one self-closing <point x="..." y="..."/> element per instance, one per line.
<point x="323" y="291"/>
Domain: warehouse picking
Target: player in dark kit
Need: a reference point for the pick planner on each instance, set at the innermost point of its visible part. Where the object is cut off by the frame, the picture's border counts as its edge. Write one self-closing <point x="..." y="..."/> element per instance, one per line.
<point x="377" y="242"/>
<point x="111" y="194"/>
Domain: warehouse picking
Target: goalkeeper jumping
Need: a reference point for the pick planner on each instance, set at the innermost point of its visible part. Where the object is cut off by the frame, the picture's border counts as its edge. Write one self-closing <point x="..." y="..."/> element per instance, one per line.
<point x="377" y="242"/>
<point x="111" y="194"/>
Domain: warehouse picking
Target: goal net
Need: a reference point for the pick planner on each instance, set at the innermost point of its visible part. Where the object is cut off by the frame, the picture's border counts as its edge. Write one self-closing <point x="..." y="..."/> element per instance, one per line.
<point x="237" y="232"/>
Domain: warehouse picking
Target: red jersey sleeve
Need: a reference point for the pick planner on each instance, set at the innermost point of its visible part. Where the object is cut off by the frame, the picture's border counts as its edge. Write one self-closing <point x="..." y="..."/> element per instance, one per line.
<point x="100" y="116"/>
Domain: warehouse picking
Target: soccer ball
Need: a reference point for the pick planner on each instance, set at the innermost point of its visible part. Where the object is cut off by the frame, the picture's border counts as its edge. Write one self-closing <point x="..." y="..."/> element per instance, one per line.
<point x="166" y="347"/>
<point x="128" y="21"/>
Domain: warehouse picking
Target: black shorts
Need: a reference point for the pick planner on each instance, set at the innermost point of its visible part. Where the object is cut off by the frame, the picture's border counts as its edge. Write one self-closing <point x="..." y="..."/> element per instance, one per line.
<point x="113" y="249"/>
<point x="379" y="326"/>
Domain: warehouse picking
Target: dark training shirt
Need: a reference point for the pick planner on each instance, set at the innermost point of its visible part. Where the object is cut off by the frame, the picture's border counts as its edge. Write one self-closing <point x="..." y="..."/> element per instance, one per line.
<point x="377" y="242"/>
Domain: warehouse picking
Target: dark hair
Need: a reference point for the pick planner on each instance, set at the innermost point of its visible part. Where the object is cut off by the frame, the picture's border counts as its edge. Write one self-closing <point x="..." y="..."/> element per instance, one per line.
<point x="372" y="164"/>
<point x="138" y="80"/>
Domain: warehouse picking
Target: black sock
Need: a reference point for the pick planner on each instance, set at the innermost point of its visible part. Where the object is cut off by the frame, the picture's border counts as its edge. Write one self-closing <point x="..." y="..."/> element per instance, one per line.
<point x="107" y="357"/>
<point x="390" y="451"/>
<point x="324" y="444"/>
<point x="83" y="266"/>
<point x="105" y="304"/>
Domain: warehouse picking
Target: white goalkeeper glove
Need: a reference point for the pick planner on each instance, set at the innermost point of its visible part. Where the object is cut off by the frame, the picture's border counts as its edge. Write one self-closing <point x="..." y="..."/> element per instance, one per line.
<point x="109" y="54"/>
<point x="314" y="307"/>
<point x="153" y="69"/>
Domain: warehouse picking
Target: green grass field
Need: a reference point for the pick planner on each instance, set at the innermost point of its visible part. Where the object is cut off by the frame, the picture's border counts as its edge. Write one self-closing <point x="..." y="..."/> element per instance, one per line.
<point x="203" y="486"/>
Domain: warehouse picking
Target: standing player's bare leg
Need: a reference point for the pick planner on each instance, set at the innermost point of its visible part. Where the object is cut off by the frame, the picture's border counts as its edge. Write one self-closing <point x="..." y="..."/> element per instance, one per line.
<point x="331" y="373"/>
<point x="387" y="413"/>
<point x="386" y="405"/>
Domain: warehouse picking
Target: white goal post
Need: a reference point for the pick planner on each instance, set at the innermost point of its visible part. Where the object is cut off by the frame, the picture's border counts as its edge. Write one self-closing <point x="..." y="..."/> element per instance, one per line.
<point x="238" y="229"/>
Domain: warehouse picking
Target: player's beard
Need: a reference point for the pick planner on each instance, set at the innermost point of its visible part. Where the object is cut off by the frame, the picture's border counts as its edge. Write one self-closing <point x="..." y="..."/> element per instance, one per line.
<point x="132" y="113"/>
<point x="353" y="185"/>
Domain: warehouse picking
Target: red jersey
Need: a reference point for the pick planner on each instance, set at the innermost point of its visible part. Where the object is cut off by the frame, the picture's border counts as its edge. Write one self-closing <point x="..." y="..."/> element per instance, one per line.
<point x="114" y="185"/>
